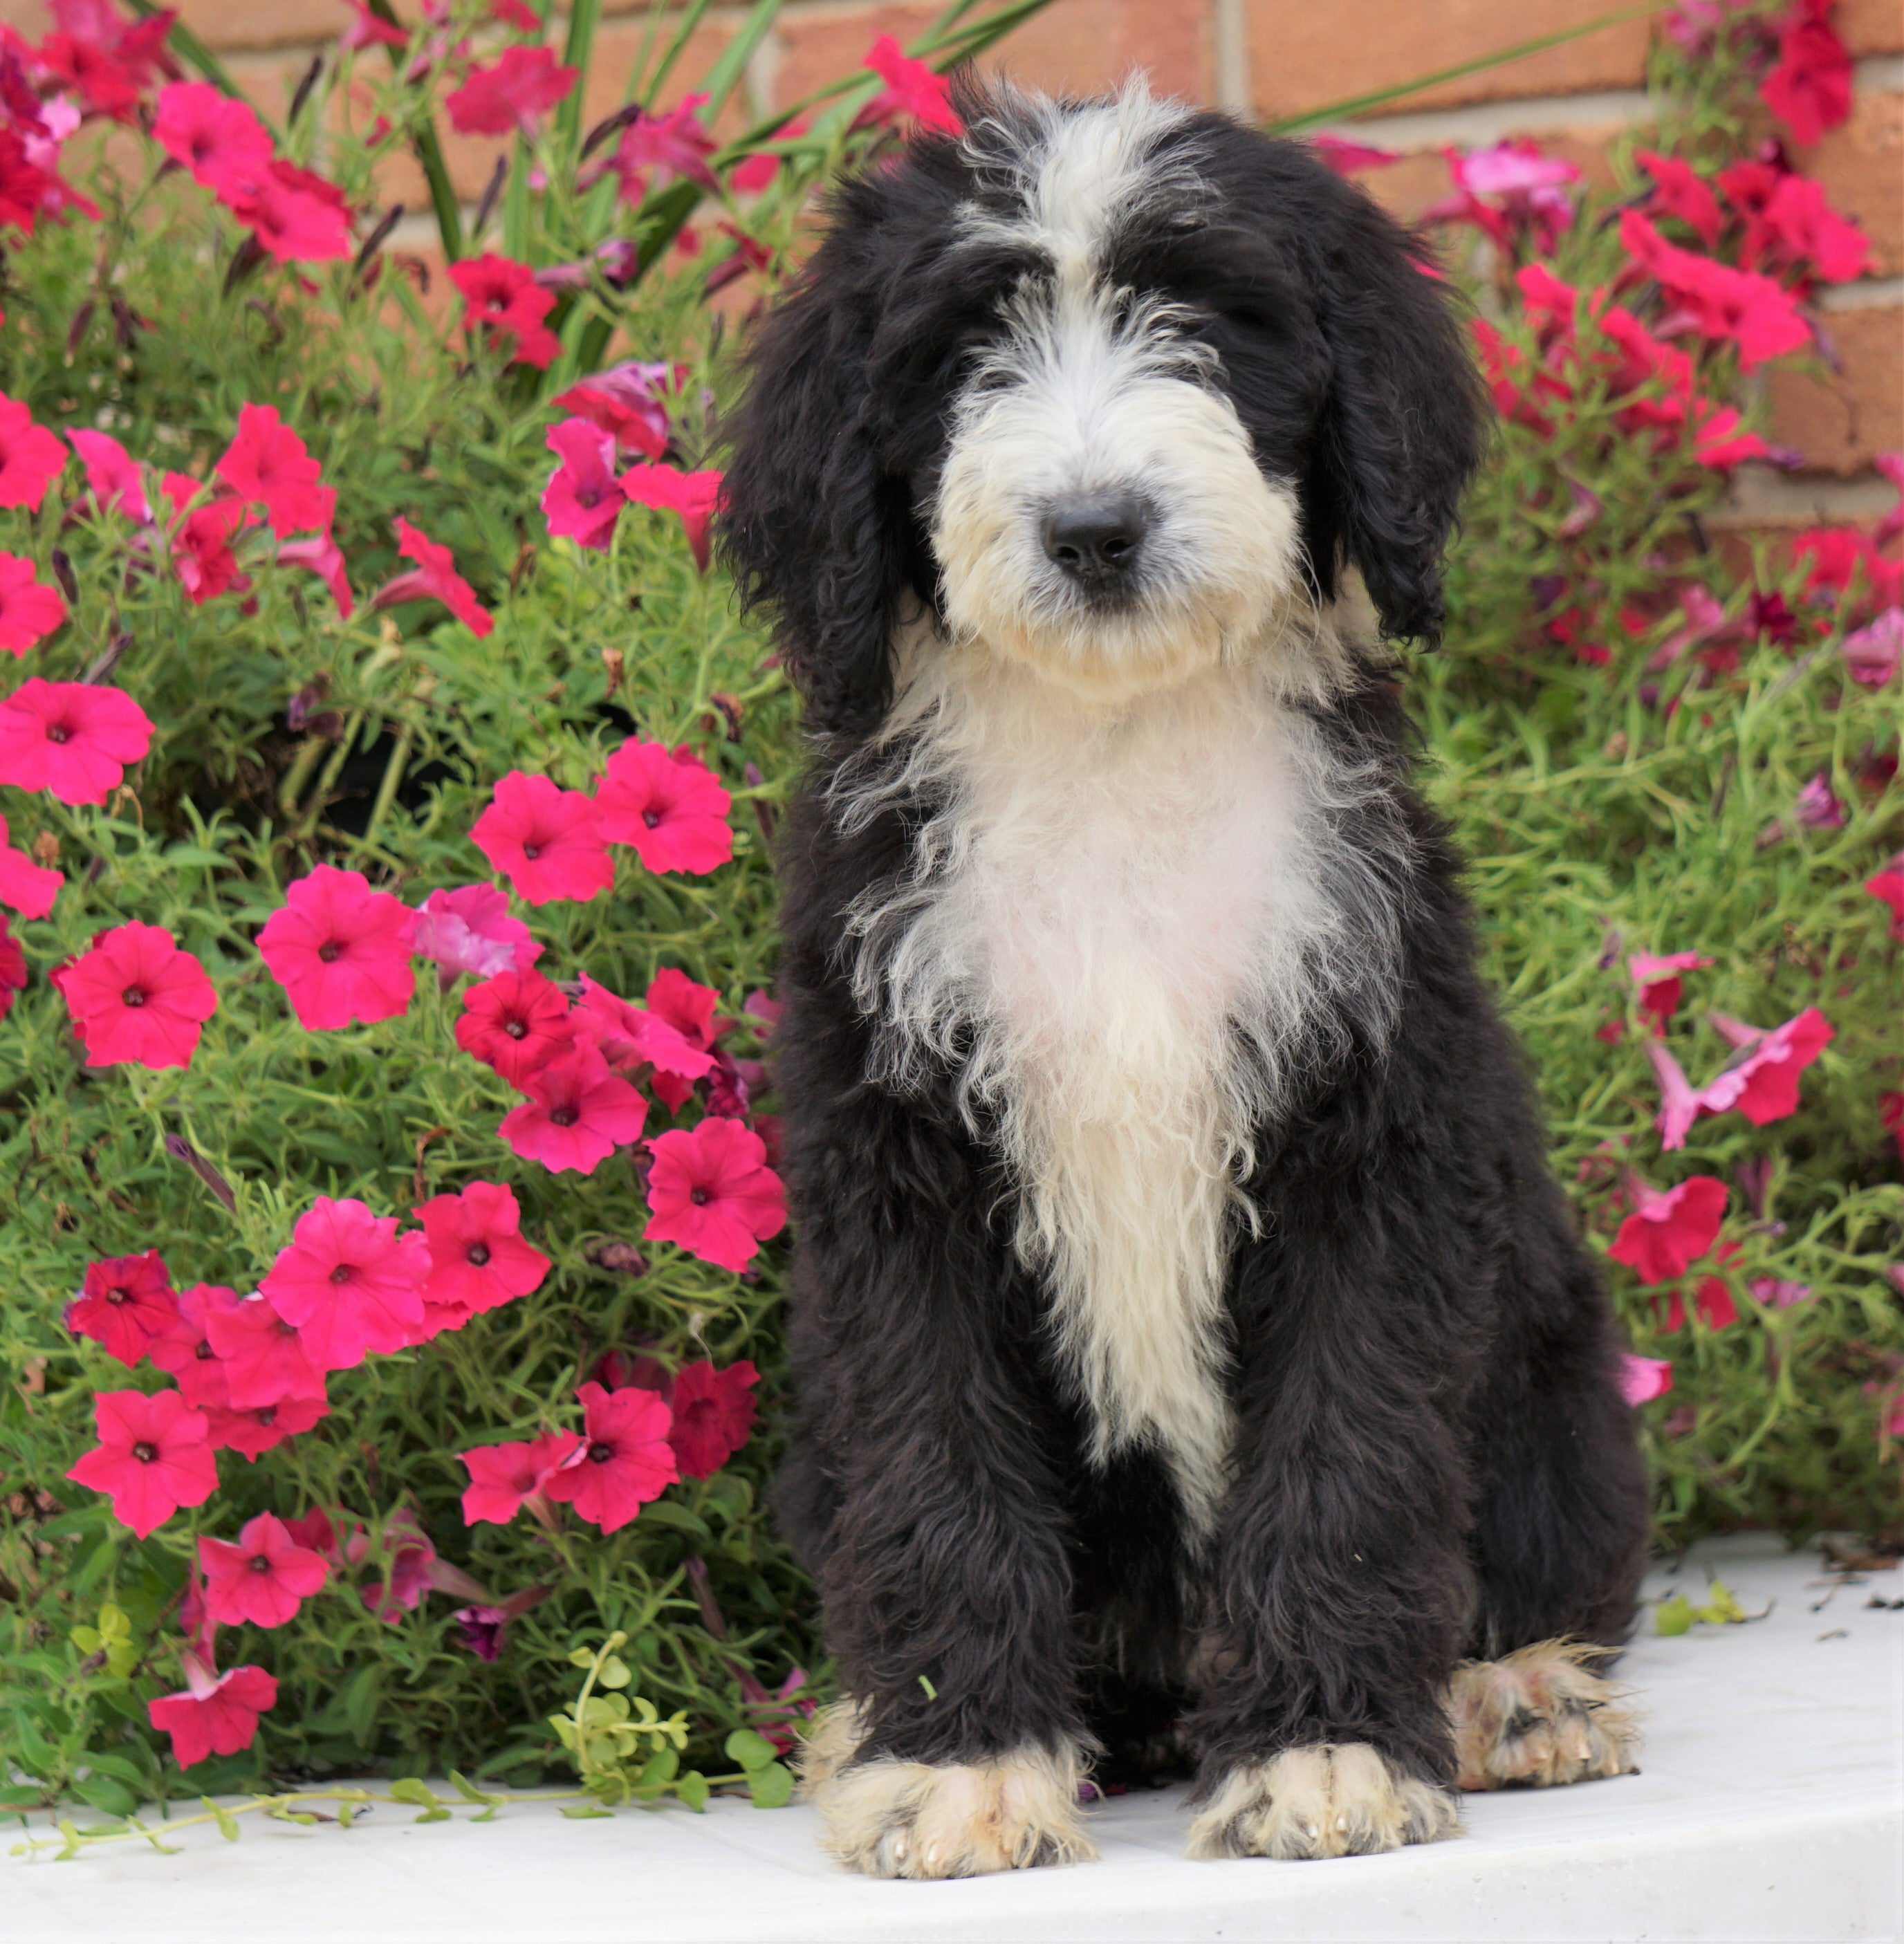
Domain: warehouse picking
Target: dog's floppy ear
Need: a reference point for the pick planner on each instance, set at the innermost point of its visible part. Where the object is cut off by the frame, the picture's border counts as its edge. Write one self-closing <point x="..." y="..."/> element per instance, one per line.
<point x="1402" y="423"/>
<point x="812" y="523"/>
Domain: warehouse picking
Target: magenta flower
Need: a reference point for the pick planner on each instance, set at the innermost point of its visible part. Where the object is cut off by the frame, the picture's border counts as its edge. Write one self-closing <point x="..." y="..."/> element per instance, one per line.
<point x="675" y="999"/>
<point x="547" y="841"/>
<point x="710" y="1190"/>
<point x="252" y="1433"/>
<point x="1643" y="1379"/>
<point x="513" y="95"/>
<point x="914" y="93"/>
<point x="626" y="1460"/>
<point x="1874" y="653"/>
<point x="263" y="1359"/>
<point x="73" y="738"/>
<point x="349" y="1282"/>
<point x="137" y="998"/>
<point x="152" y="1457"/>
<point x="656" y="149"/>
<point x="1679" y="190"/>
<point x="516" y="1023"/>
<point x="112" y="473"/>
<point x="340" y="950"/>
<point x="31" y="458"/>
<point x="503" y="1476"/>
<point x="582" y="498"/>
<point x="29" y="888"/>
<point x="670" y="807"/>
<point x="502" y="300"/>
<point x="1887" y="885"/>
<point x="29" y="609"/>
<point x="1758" y="315"/>
<point x="1666" y="1231"/>
<point x="220" y="139"/>
<point x="477" y="1258"/>
<point x="215" y="1715"/>
<point x="1657" y="977"/>
<point x="713" y="1415"/>
<point x="470" y="930"/>
<point x="433" y="578"/>
<point x="626" y="1036"/>
<point x="693" y="495"/>
<point x="123" y="1304"/>
<point x="298" y="217"/>
<point x="183" y="1347"/>
<point x="268" y="464"/>
<point x="1817" y="806"/>
<point x="263" y="1579"/>
<point x="626" y="401"/>
<point x="576" y="1115"/>
<point x="1763" y="1085"/>
<point x="1779" y="1292"/>
<point x="324" y="558"/>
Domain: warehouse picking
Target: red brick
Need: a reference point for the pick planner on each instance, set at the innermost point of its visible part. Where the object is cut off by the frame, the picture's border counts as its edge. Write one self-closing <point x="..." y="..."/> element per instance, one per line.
<point x="1862" y="166"/>
<point x="1305" y="57"/>
<point x="1083" y="46"/>
<point x="1871" y="26"/>
<point x="1841" y="424"/>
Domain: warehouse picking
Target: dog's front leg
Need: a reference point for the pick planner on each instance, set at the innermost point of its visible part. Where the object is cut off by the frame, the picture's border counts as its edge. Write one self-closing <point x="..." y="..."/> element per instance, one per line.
<point x="939" y="1544"/>
<point x="1341" y="1582"/>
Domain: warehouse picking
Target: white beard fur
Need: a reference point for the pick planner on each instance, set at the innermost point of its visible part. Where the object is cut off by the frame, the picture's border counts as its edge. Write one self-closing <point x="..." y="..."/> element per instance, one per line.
<point x="1127" y="928"/>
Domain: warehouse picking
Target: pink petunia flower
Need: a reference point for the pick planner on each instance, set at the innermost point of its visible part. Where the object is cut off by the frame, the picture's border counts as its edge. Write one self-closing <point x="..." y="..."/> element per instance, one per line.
<point x="410" y="1570"/>
<point x="369" y="30"/>
<point x="626" y="401"/>
<point x="31" y="458"/>
<point x="297" y="217"/>
<point x="502" y="300"/>
<point x="1754" y="313"/>
<point x="714" y="1413"/>
<point x="710" y="1190"/>
<point x="1679" y="190"/>
<point x="693" y="495"/>
<point x="340" y="950"/>
<point x="264" y="1359"/>
<point x="626" y="1460"/>
<point x="1507" y="190"/>
<point x="513" y="95"/>
<point x="201" y="538"/>
<point x="1668" y="1231"/>
<point x="267" y="464"/>
<point x="349" y="1282"/>
<point x="220" y="139"/>
<point x="29" y="609"/>
<point x="1643" y="1379"/>
<point x="1836" y="558"/>
<point x="1657" y="976"/>
<point x="1874" y="654"/>
<point x="670" y="807"/>
<point x="502" y="1476"/>
<point x="477" y="1258"/>
<point x="263" y="1579"/>
<point x="152" y="1457"/>
<point x="137" y="998"/>
<point x="1888" y="885"/>
<point x="516" y="1023"/>
<point x="582" y="498"/>
<point x="29" y="888"/>
<point x="252" y="1433"/>
<point x="675" y="999"/>
<point x="433" y="578"/>
<point x="1349" y="158"/>
<point x="547" y="841"/>
<point x="628" y="1036"/>
<point x="1763" y="1084"/>
<point x="470" y="930"/>
<point x="13" y="967"/>
<point x="123" y="1304"/>
<point x="913" y="92"/>
<point x="1810" y="89"/>
<point x="214" y="1715"/>
<point x="1816" y="807"/>
<point x="1778" y="1292"/>
<point x="1798" y="231"/>
<point x="576" y="1115"/>
<point x="324" y="558"/>
<point x="113" y="474"/>
<point x="183" y="1347"/>
<point x="654" y="150"/>
<point x="73" y="738"/>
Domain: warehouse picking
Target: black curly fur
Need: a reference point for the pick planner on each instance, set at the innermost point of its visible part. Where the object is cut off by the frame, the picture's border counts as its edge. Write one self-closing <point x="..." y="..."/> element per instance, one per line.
<point x="1433" y="1456"/>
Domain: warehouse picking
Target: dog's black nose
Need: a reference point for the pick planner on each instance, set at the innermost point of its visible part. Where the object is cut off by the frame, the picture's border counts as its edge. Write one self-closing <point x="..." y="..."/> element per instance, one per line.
<point x="1096" y="538"/>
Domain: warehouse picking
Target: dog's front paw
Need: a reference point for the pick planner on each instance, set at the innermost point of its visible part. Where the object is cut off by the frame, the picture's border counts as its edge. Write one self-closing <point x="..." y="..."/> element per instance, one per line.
<point x="1348" y="1801"/>
<point x="1539" y="1716"/>
<point x="902" y="1819"/>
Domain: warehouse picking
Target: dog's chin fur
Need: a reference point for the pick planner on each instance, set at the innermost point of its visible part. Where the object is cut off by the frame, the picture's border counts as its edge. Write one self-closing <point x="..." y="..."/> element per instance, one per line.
<point x="1127" y="926"/>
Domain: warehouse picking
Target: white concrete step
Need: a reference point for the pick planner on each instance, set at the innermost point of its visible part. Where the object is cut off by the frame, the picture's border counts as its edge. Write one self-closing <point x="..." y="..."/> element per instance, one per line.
<point x="1770" y="1806"/>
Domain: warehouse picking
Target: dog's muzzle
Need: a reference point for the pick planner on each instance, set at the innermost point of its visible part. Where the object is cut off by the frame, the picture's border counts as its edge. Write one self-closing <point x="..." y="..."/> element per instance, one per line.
<point x="1096" y="540"/>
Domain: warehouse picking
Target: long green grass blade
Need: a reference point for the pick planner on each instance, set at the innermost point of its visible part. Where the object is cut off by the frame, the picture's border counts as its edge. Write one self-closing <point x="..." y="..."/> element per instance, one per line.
<point x="689" y="20"/>
<point x="1380" y="97"/>
<point x="429" y="154"/>
<point x="722" y="79"/>
<point x="585" y="15"/>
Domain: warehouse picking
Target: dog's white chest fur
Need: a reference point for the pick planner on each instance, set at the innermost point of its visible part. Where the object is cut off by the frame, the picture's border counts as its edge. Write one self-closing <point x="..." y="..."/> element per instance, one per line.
<point x="1118" y="924"/>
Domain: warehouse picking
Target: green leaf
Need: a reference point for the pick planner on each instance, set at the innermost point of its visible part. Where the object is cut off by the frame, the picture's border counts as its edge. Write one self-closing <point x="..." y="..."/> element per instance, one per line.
<point x="751" y="1751"/>
<point x="468" y="1790"/>
<point x="16" y="1796"/>
<point x="228" y="1823"/>
<point x="102" y="1792"/>
<point x="35" y="1754"/>
<point x="665" y="1511"/>
<point x="614" y="1672"/>
<point x="122" y="1766"/>
<point x="1675" y="1616"/>
<point x="580" y="1656"/>
<point x="658" y="1769"/>
<point x="587" y="1813"/>
<point x="771" y="1787"/>
<point x="692" y="1789"/>
<point x="407" y="1788"/>
<point x="1722" y="1608"/>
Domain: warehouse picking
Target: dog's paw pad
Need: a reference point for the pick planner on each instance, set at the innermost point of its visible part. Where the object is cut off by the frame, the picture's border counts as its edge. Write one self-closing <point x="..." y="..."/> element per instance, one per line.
<point x="1540" y="1717"/>
<point x="898" y="1819"/>
<point x="1332" y="1801"/>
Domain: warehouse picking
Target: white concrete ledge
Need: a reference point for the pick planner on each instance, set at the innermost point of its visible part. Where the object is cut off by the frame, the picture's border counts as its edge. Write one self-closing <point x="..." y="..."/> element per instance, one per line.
<point x="1770" y="1806"/>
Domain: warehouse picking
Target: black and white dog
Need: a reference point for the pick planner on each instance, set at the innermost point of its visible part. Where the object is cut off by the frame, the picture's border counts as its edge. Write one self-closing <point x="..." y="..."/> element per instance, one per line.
<point x="1194" y="1350"/>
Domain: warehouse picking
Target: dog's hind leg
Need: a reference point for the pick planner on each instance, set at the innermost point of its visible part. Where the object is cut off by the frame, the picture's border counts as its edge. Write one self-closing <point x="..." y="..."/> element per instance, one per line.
<point x="1541" y="1715"/>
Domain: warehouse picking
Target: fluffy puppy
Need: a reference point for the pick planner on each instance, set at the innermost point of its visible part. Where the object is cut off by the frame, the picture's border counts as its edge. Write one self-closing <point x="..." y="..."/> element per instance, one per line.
<point x="1195" y="1354"/>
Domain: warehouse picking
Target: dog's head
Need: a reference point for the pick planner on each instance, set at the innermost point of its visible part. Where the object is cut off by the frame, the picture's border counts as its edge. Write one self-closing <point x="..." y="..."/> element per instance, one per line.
<point x="1112" y="387"/>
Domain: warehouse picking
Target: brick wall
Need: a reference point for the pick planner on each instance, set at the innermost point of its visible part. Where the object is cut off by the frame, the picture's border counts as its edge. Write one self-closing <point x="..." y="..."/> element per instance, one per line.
<point x="1286" y="57"/>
